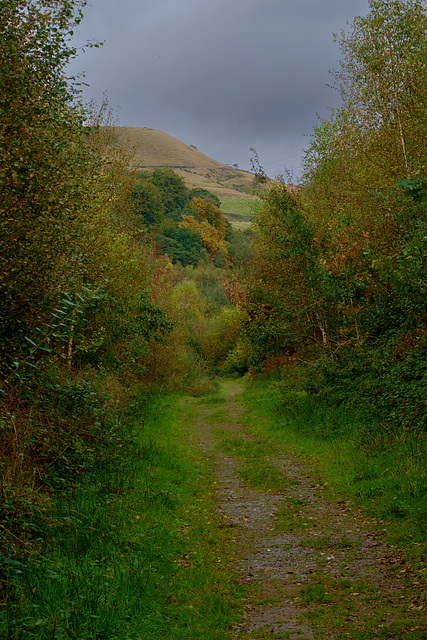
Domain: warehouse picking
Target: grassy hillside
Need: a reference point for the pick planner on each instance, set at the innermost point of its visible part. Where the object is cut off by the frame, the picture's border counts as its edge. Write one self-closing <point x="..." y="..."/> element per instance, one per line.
<point x="153" y="148"/>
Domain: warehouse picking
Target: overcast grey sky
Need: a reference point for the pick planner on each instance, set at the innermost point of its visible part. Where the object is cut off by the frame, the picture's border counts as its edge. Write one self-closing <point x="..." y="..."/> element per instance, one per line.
<point x="223" y="75"/>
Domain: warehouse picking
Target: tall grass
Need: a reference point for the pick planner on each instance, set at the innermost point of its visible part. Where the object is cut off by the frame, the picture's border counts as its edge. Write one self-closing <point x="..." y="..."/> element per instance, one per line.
<point x="125" y="551"/>
<point x="382" y="469"/>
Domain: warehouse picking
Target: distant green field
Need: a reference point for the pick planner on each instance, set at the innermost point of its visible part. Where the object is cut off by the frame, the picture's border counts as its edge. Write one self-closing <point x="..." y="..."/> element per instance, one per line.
<point x="240" y="223"/>
<point x="239" y="206"/>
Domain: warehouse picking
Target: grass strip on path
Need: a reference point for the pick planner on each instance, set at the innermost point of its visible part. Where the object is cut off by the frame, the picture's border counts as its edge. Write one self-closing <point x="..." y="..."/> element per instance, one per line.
<point x="316" y="565"/>
<point x="382" y="485"/>
<point x="382" y="472"/>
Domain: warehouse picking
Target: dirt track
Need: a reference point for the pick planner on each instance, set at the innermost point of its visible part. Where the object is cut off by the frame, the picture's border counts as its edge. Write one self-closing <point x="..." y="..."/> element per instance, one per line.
<point x="316" y="569"/>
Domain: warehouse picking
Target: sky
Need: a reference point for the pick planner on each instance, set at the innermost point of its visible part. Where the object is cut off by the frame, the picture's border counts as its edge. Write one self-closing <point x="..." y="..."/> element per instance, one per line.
<point x="223" y="75"/>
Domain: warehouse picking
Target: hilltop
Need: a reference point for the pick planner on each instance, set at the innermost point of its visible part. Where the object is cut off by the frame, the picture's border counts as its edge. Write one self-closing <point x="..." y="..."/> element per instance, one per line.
<point x="154" y="148"/>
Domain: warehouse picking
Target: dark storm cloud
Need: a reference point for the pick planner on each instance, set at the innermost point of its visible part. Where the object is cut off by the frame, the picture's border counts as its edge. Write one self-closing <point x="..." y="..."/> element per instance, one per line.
<point x="224" y="75"/>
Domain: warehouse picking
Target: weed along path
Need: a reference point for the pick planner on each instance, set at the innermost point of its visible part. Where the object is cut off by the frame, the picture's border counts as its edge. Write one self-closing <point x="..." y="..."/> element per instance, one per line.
<point x="309" y="564"/>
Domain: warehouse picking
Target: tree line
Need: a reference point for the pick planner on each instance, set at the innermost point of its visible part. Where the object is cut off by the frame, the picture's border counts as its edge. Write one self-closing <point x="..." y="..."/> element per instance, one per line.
<point x="338" y="278"/>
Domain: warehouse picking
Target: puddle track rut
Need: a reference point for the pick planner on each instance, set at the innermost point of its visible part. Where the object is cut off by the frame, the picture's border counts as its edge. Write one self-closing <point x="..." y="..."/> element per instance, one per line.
<point x="281" y="562"/>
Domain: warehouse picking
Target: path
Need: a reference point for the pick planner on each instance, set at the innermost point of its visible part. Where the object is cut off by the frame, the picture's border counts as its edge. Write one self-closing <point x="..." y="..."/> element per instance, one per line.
<point x="315" y="569"/>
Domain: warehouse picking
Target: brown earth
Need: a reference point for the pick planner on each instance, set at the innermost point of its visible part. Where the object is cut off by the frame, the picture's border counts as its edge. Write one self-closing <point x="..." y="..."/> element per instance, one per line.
<point x="312" y="563"/>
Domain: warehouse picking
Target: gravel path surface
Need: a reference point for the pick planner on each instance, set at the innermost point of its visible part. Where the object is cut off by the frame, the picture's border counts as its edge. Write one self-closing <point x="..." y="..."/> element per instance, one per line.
<point x="316" y="568"/>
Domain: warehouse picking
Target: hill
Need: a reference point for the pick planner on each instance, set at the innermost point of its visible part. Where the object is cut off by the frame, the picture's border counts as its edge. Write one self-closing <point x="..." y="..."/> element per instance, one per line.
<point x="152" y="148"/>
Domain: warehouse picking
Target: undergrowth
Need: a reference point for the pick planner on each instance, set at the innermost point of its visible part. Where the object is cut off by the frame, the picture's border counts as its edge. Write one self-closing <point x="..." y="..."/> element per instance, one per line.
<point x="382" y="468"/>
<point x="122" y="549"/>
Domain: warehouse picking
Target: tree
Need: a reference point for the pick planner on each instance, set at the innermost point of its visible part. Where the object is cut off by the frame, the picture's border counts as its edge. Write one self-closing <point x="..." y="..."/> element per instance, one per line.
<point x="43" y="156"/>
<point x="206" y="195"/>
<point x="376" y="136"/>
<point x="148" y="202"/>
<point x="344" y="260"/>
<point x="382" y="80"/>
<point x="181" y="245"/>
<point x="282" y="303"/>
<point x="356" y="159"/>
<point x="175" y="193"/>
<point x="211" y="213"/>
<point x="71" y="268"/>
<point x="211" y="238"/>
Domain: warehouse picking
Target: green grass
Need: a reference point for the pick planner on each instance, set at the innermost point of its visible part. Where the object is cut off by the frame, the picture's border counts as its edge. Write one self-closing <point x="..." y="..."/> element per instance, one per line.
<point x="291" y="516"/>
<point x="239" y="206"/>
<point x="284" y="422"/>
<point x="239" y="211"/>
<point x="132" y="550"/>
<point x="385" y="473"/>
<point x="256" y="471"/>
<point x="218" y="416"/>
<point x="242" y="446"/>
<point x="263" y="476"/>
<point x="335" y="603"/>
<point x="232" y="445"/>
<point x="213" y="399"/>
<point x="317" y="543"/>
<point x="327" y="543"/>
<point x="315" y="593"/>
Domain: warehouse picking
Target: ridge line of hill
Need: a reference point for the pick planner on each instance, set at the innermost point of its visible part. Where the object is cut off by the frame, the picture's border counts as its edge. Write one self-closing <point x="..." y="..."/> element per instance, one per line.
<point x="152" y="148"/>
